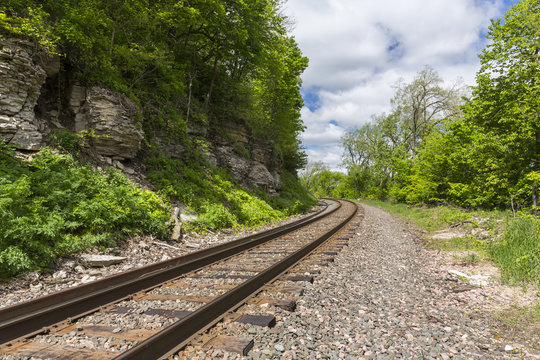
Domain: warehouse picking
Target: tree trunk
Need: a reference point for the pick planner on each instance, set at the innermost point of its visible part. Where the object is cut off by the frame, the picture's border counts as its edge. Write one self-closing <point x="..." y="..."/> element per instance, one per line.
<point x="535" y="199"/>
<point x="189" y="94"/>
<point x="207" y="100"/>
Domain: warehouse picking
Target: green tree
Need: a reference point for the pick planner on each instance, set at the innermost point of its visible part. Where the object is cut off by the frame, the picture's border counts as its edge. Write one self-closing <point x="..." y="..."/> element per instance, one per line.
<point x="423" y="104"/>
<point x="309" y="174"/>
<point x="277" y="88"/>
<point x="506" y="100"/>
<point x="367" y="156"/>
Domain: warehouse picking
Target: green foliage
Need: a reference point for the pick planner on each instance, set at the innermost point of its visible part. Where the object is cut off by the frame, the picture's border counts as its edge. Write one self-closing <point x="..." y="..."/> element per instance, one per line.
<point x="518" y="251"/>
<point x="36" y="26"/>
<point x="523" y="318"/>
<point x="218" y="199"/>
<point x="216" y="216"/>
<point x="429" y="218"/>
<point x="470" y="259"/>
<point x="66" y="141"/>
<point x="52" y="206"/>
<point x="72" y="143"/>
<point x="294" y="198"/>
<point x="458" y="244"/>
<point x="322" y="182"/>
<point x="278" y="100"/>
<point x="242" y="151"/>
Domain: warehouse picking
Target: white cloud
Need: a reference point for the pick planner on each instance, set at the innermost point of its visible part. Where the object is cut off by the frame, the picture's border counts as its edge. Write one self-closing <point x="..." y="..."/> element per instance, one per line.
<point x="358" y="49"/>
<point x="321" y="134"/>
<point x="330" y="155"/>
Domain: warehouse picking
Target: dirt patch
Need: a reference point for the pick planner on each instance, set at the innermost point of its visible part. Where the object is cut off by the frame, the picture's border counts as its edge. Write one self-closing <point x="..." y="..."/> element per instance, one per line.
<point x="513" y="311"/>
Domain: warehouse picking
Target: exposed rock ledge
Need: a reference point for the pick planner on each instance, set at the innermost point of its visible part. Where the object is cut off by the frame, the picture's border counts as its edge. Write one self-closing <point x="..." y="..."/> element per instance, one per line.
<point x="26" y="74"/>
<point x="21" y="78"/>
<point x="111" y="116"/>
<point x="24" y="68"/>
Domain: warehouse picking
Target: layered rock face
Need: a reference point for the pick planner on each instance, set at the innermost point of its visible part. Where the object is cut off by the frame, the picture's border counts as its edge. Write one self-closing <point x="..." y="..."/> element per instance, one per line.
<point x="21" y="78"/>
<point x="252" y="170"/>
<point x="111" y="117"/>
<point x="24" y="68"/>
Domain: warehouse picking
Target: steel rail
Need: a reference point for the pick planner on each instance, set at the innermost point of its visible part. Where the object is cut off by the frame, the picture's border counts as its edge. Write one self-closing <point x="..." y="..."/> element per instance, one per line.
<point x="173" y="338"/>
<point x="33" y="316"/>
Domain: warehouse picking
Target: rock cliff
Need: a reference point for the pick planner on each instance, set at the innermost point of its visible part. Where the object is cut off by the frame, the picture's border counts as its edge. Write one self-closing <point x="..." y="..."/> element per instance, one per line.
<point x="24" y="69"/>
<point x="21" y="78"/>
<point x="250" y="163"/>
<point x="29" y="110"/>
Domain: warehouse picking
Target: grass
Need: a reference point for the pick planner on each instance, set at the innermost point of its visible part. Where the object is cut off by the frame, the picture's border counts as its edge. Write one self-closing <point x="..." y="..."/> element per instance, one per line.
<point x="463" y="243"/>
<point x="518" y="251"/>
<point x="469" y="259"/>
<point x="522" y="318"/>
<point x="440" y="217"/>
<point x="428" y="218"/>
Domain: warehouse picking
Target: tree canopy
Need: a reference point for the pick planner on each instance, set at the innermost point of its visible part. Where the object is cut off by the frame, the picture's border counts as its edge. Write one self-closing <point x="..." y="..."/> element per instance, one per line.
<point x="506" y="101"/>
<point x="207" y="62"/>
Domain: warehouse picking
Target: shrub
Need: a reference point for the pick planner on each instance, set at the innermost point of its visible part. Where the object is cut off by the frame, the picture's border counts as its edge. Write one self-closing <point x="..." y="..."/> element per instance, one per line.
<point x="216" y="216"/>
<point x="51" y="206"/>
<point x="252" y="210"/>
<point x="294" y="198"/>
<point x="242" y="151"/>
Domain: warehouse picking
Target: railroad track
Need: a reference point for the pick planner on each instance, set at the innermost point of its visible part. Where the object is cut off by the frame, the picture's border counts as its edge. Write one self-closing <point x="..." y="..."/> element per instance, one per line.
<point x="155" y="311"/>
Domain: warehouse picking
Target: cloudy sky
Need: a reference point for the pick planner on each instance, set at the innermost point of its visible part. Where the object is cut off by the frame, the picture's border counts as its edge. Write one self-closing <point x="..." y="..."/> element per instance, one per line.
<point x="358" y="49"/>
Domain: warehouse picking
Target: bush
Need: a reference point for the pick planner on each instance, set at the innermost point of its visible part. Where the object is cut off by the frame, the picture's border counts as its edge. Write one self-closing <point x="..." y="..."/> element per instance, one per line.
<point x="51" y="206"/>
<point x="216" y="216"/>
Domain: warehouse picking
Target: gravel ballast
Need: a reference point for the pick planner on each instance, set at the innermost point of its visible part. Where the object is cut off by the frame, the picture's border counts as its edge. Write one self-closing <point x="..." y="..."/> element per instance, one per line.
<point x="384" y="297"/>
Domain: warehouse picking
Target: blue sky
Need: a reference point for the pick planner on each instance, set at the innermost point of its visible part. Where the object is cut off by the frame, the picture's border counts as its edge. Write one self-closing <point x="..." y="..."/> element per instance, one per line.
<point x="358" y="49"/>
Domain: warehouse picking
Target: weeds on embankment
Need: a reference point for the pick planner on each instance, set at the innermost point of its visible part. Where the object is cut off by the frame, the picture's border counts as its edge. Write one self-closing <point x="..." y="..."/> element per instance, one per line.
<point x="52" y="206"/>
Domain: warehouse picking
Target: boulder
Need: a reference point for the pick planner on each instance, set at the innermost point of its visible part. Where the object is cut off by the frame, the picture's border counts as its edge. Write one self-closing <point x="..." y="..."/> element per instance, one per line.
<point x="277" y="180"/>
<point x="238" y="133"/>
<point x="226" y="157"/>
<point x="260" y="176"/>
<point x="259" y="155"/>
<point x="50" y="64"/>
<point x="171" y="147"/>
<point x="247" y="171"/>
<point x="100" y="260"/>
<point x="21" y="79"/>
